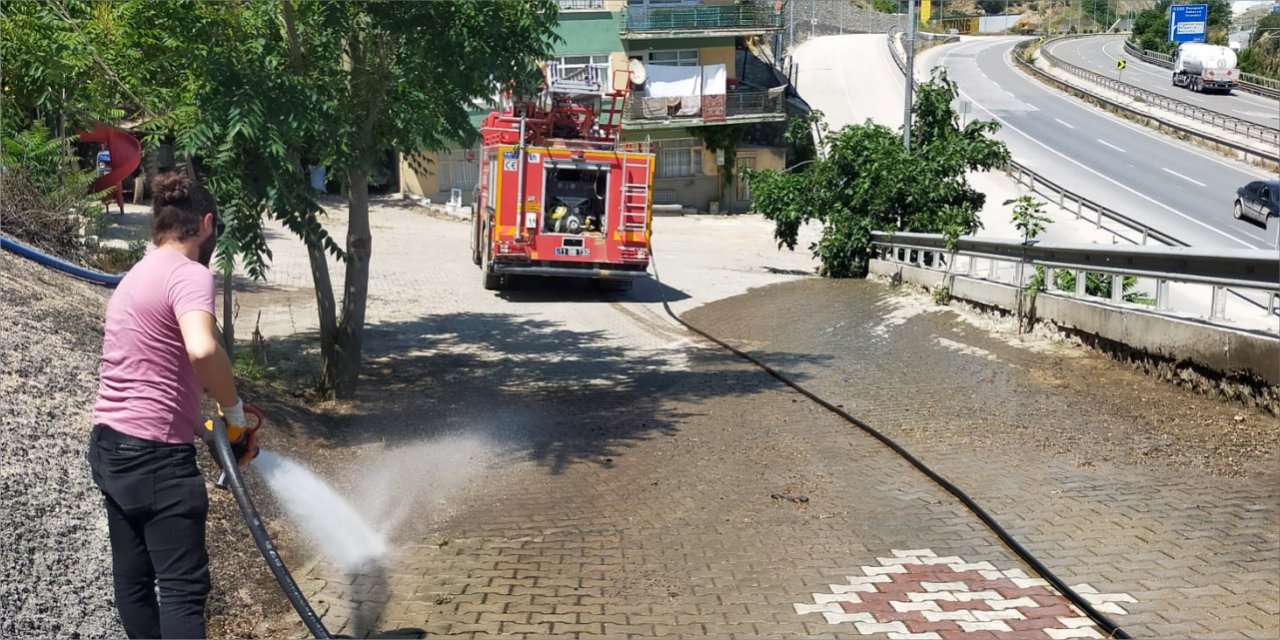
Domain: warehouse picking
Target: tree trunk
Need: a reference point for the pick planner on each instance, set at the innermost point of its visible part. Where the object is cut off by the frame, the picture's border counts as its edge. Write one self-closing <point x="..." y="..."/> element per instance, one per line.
<point x="355" y="291"/>
<point x="228" y="321"/>
<point x="327" y="311"/>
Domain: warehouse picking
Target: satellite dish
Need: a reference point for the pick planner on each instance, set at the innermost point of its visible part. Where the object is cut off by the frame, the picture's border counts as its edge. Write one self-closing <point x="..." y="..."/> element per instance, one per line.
<point x="636" y="67"/>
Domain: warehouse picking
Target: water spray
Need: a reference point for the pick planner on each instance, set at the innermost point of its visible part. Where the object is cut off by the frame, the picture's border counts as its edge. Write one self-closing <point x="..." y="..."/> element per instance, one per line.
<point x="221" y="448"/>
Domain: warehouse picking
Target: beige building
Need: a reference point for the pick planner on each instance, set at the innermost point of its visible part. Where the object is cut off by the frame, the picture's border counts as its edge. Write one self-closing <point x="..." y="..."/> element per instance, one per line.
<point x="698" y="59"/>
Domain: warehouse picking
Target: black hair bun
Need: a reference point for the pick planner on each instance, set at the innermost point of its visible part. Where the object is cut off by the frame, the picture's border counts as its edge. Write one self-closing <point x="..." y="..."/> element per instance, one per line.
<point x="171" y="188"/>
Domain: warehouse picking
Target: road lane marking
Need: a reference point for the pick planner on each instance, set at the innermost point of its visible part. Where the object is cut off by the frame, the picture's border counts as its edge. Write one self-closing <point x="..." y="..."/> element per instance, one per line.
<point x="1136" y="128"/>
<point x="1111" y="145"/>
<point x="1087" y="168"/>
<point x="1192" y="180"/>
<point x="1064" y="124"/>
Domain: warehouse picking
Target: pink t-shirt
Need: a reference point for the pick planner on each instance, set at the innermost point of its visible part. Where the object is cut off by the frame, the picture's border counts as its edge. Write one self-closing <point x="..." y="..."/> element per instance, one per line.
<point x="147" y="387"/>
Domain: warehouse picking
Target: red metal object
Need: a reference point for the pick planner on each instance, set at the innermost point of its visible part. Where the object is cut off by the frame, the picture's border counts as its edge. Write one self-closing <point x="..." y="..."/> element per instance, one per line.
<point x="126" y="155"/>
<point x="559" y="195"/>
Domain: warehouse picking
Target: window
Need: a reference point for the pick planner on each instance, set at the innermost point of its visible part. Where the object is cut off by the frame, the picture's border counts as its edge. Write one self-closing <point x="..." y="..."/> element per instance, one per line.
<point x="678" y="158"/>
<point x="458" y="169"/>
<point x="580" y="5"/>
<point x="576" y="68"/>
<point x="675" y="57"/>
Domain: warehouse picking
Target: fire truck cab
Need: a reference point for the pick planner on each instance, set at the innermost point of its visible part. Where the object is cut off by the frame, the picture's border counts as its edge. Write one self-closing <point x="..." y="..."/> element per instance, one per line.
<point x="558" y="195"/>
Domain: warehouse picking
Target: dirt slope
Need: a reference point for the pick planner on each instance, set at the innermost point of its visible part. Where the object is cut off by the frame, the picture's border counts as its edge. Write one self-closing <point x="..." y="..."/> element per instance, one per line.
<point x="55" y="565"/>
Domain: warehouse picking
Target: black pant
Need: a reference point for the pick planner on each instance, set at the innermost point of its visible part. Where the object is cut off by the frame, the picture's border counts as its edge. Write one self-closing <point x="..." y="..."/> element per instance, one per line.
<point x="156" y="512"/>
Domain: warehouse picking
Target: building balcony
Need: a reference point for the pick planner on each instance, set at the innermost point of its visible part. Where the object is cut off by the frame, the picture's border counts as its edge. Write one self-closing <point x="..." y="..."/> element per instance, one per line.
<point x="735" y="107"/>
<point x="700" y="20"/>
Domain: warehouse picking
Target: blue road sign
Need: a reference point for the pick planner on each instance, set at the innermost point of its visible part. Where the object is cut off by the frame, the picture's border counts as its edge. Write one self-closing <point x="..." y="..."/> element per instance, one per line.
<point x="1188" y="22"/>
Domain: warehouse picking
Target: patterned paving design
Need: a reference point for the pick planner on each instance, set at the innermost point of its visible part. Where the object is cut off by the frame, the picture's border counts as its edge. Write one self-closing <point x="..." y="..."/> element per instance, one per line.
<point x="917" y="595"/>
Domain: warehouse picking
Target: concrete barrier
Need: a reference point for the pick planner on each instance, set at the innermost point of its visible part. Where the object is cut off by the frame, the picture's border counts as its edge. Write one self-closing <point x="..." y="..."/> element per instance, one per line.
<point x="1170" y="342"/>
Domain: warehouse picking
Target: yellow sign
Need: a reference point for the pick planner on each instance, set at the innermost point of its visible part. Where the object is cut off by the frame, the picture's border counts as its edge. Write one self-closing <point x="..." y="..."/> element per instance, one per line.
<point x="1119" y="64"/>
<point x="924" y="10"/>
<point x="1040" y="40"/>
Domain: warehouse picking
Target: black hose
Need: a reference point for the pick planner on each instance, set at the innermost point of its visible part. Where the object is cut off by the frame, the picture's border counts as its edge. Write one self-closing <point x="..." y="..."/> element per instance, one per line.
<point x="231" y="472"/>
<point x="1102" y="621"/>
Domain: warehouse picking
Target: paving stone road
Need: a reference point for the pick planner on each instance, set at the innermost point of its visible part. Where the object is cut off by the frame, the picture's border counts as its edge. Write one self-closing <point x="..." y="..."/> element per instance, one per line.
<point x="562" y="465"/>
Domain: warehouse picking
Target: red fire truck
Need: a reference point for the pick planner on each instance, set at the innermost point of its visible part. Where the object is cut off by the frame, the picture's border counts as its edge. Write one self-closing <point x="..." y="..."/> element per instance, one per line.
<point x="559" y="195"/>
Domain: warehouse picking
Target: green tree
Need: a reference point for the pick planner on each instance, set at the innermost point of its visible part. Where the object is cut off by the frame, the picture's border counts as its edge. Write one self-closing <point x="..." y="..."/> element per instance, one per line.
<point x="53" y="70"/>
<point x="1029" y="219"/>
<point x="866" y="181"/>
<point x="258" y="90"/>
<point x="1262" y="56"/>
<point x="726" y="138"/>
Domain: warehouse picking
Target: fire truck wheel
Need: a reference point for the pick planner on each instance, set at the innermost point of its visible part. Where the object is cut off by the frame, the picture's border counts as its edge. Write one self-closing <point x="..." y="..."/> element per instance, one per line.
<point x="492" y="281"/>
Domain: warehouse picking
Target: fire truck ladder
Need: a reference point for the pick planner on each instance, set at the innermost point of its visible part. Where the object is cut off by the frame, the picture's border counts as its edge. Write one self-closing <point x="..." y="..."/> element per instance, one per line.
<point x="614" y="103"/>
<point x="635" y="195"/>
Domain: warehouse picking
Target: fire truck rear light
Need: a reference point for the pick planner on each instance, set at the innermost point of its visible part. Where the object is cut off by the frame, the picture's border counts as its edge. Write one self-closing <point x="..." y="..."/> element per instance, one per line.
<point x="633" y="253"/>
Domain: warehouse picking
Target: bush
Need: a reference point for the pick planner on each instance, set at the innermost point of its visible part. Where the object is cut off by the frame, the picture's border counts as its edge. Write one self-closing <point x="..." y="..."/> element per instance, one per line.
<point x="865" y="181"/>
<point x="44" y="200"/>
<point x="884" y="6"/>
<point x="115" y="259"/>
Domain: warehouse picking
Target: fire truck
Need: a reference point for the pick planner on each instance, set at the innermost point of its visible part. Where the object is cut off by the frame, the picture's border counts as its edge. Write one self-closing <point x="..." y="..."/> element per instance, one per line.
<point x="559" y="195"/>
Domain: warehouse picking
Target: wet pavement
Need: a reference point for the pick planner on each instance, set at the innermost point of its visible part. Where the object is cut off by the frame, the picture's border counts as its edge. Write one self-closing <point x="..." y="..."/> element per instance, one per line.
<point x="1110" y="478"/>
<point x="696" y="497"/>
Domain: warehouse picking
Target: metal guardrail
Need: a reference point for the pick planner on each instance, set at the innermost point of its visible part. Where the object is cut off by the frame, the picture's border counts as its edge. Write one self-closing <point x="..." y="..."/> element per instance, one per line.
<point x="1253" y="83"/>
<point x="1102" y="217"/>
<point x="1245" y="151"/>
<point x="1261" y="133"/>
<point x="936" y="38"/>
<point x="1248" y="269"/>
<point x="740" y="16"/>
<point x="1040" y="185"/>
<point x="1085" y="209"/>
<point x="1243" y="268"/>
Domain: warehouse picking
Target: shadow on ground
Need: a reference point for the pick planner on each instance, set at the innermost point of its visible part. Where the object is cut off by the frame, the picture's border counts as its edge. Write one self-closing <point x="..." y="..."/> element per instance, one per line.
<point x="542" y="392"/>
<point x="556" y="395"/>
<point x="526" y="289"/>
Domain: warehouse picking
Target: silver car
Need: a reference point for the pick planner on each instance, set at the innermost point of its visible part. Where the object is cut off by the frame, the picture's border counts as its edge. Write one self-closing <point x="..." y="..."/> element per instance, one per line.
<point x="1258" y="200"/>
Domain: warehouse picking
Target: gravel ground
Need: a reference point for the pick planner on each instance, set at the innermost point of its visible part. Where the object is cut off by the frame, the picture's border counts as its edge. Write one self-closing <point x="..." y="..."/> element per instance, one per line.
<point x="56" y="529"/>
<point x="56" y="563"/>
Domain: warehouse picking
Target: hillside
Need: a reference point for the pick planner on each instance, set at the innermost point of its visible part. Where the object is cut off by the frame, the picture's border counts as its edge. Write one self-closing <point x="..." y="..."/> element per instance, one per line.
<point x="55" y="565"/>
<point x="55" y="525"/>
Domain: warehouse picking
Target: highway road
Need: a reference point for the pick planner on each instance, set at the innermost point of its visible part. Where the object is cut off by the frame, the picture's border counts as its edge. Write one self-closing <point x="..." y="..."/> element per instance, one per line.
<point x="1100" y="54"/>
<point x="1165" y="183"/>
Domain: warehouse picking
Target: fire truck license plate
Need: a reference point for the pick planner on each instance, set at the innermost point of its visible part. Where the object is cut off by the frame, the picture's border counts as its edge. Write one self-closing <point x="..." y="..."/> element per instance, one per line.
<point x="579" y="252"/>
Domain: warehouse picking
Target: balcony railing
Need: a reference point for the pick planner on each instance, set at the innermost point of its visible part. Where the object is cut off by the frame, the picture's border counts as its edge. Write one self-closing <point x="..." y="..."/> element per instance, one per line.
<point x="740" y="17"/>
<point x="575" y="78"/>
<point x="738" y="105"/>
<point x="581" y="5"/>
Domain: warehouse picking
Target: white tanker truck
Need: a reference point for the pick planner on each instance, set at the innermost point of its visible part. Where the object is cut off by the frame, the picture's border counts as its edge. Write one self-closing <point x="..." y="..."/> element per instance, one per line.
<point x="1205" y="67"/>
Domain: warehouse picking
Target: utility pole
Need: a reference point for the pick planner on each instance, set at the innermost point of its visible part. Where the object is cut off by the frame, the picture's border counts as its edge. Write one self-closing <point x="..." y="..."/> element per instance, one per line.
<point x="910" y="75"/>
